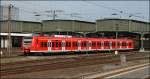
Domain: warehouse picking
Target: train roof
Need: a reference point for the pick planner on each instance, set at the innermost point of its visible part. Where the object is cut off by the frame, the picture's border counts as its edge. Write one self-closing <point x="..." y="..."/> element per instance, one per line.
<point x="81" y="38"/>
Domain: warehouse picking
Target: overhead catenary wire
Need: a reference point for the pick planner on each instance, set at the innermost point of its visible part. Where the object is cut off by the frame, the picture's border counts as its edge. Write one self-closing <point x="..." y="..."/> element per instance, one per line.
<point x="114" y="9"/>
<point x="89" y="2"/>
<point x="39" y="12"/>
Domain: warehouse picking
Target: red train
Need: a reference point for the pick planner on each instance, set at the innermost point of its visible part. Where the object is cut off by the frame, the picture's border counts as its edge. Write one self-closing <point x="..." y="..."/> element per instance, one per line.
<point x="46" y="44"/>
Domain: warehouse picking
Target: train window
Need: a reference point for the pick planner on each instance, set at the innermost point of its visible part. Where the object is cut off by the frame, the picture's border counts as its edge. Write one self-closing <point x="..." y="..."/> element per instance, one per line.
<point x="60" y="44"/>
<point x="83" y="43"/>
<point x="57" y="43"/>
<point x="124" y="44"/>
<point x="27" y="40"/>
<point x="75" y="44"/>
<point x="53" y="43"/>
<point x="68" y="44"/>
<point x="130" y="44"/>
<point x="99" y="44"/>
<point x="118" y="43"/>
<point x="93" y="44"/>
<point x="113" y="44"/>
<point x="106" y="43"/>
<point x="43" y="44"/>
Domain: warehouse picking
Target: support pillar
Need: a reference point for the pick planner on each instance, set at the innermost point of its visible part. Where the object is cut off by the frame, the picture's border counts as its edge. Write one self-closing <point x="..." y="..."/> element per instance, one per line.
<point x="142" y="44"/>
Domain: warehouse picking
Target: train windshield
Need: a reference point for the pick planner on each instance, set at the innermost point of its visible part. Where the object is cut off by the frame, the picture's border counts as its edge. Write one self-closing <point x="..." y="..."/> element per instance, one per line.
<point x="27" y="40"/>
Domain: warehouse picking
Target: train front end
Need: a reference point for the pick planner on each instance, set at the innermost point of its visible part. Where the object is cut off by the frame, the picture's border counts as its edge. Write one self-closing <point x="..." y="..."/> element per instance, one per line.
<point x="26" y="45"/>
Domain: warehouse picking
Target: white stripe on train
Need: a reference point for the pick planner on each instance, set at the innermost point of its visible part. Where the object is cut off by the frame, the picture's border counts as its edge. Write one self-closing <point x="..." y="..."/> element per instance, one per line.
<point x="80" y="50"/>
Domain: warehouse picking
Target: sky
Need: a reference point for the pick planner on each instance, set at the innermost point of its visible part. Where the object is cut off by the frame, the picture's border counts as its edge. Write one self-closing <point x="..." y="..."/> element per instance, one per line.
<point x="82" y="10"/>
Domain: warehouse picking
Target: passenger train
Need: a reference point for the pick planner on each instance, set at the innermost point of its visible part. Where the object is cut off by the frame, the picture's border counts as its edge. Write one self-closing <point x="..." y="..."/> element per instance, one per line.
<point x="47" y="44"/>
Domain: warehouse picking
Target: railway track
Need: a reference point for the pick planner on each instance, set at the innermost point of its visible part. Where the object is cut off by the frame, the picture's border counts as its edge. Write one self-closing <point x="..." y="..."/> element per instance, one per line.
<point x="68" y="63"/>
<point x="56" y="58"/>
<point x="47" y="58"/>
<point x="20" y="55"/>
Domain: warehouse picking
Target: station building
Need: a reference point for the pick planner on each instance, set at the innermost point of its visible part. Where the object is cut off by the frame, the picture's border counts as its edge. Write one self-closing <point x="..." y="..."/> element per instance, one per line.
<point x="18" y="29"/>
<point x="106" y="28"/>
<point x="49" y="27"/>
<point x="16" y="39"/>
<point x="68" y="27"/>
<point x="20" y="26"/>
<point x="125" y="28"/>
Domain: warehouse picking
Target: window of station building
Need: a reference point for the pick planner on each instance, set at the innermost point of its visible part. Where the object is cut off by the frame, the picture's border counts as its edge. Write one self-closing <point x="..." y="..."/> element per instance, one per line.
<point x="43" y="44"/>
<point x="124" y="44"/>
<point x="106" y="43"/>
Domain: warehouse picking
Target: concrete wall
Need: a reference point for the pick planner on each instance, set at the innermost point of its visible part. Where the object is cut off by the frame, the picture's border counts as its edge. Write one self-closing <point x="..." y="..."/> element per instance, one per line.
<point x="68" y="25"/>
<point x="31" y="27"/>
<point x="21" y="26"/>
<point x="122" y="24"/>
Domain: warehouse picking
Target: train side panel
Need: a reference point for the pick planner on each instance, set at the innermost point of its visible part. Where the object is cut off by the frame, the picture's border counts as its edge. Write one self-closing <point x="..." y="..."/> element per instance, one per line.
<point x="56" y="44"/>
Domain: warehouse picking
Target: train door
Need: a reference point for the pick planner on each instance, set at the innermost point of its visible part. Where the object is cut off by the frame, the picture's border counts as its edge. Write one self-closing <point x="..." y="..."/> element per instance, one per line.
<point x="102" y="45"/>
<point x="79" y="45"/>
<point x="110" y="45"/>
<point x="89" y="45"/>
<point x="63" y="45"/>
<point x="49" y="44"/>
<point x="56" y="45"/>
